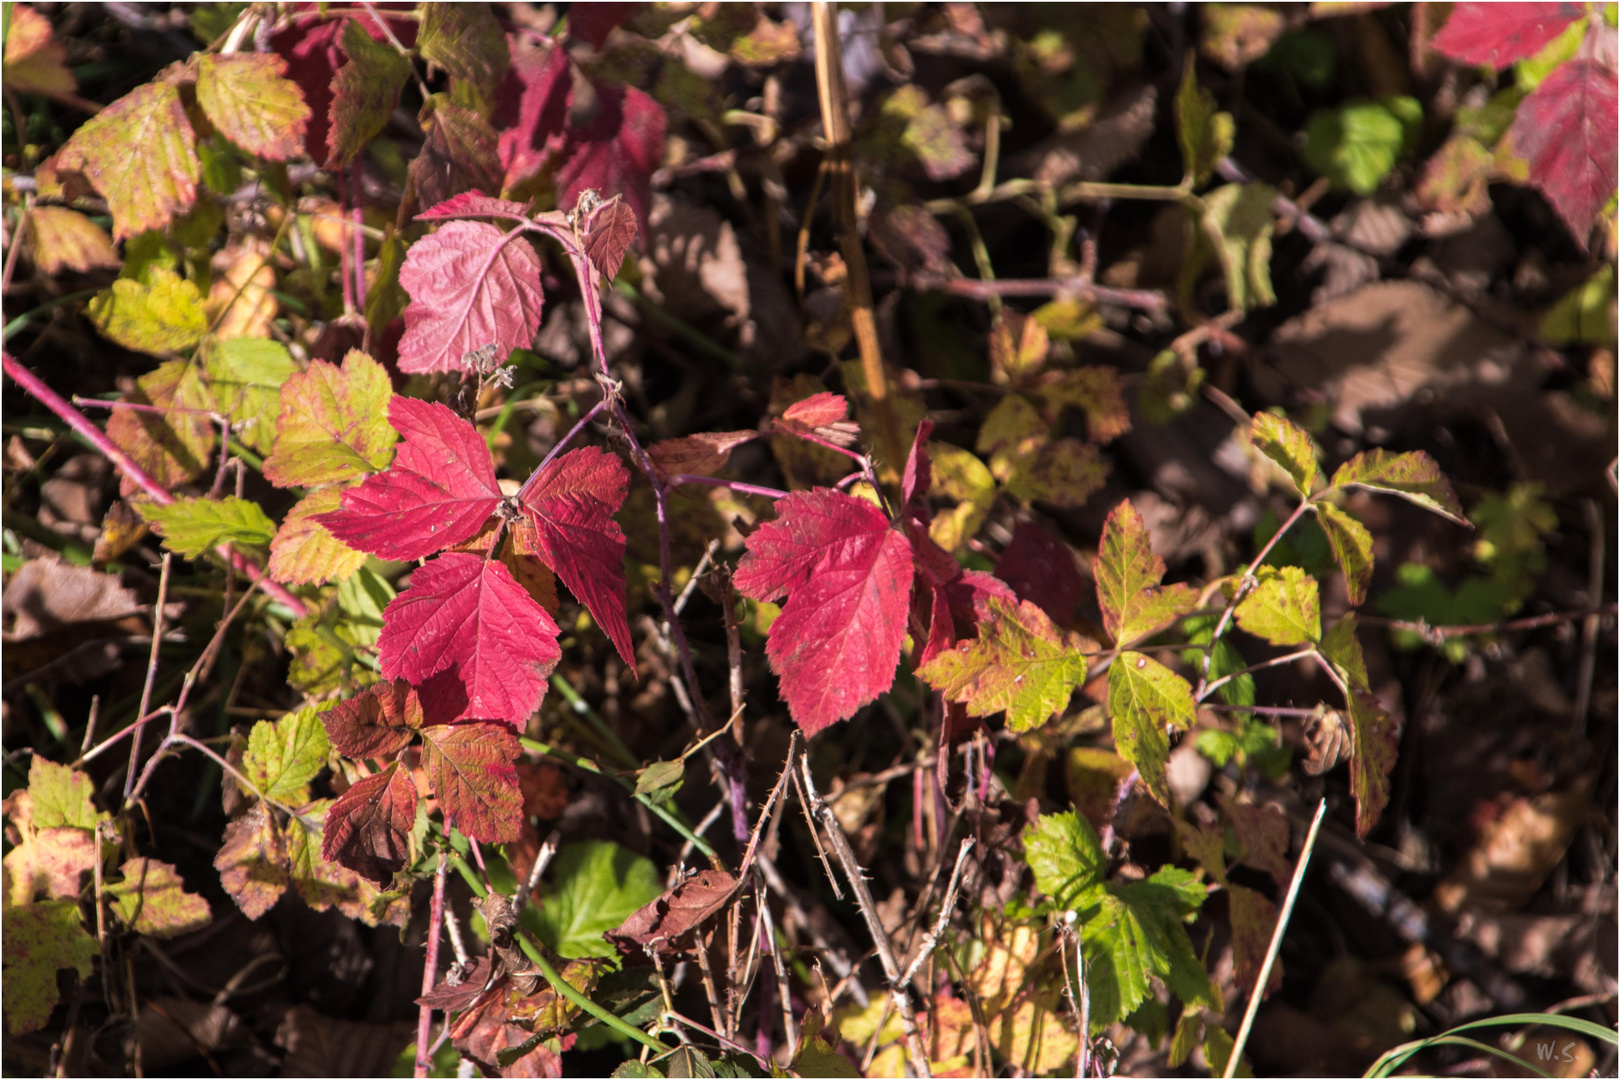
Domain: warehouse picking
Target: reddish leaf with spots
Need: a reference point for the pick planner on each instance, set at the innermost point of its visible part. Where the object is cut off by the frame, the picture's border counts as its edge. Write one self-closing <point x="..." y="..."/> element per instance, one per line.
<point x="465" y="620"/>
<point x="1499" y="34"/>
<point x="439" y="491"/>
<point x="368" y="828"/>
<point x="471" y="285"/>
<point x="571" y="504"/>
<point x="471" y="769"/>
<point x="376" y="724"/>
<point x="847" y="577"/>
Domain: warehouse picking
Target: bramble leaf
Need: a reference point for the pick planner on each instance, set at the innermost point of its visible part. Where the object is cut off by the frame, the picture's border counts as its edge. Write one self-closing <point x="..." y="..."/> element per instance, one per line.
<point x="1067" y="857"/>
<point x="1498" y="34"/>
<point x="471" y="771"/>
<point x="617" y="151"/>
<point x="324" y="884"/>
<point x="1565" y="132"/>
<point x="365" y="92"/>
<point x="475" y="204"/>
<point x="1144" y="697"/>
<point x="163" y="313"/>
<point x="696" y="455"/>
<point x="252" y="862"/>
<point x="458" y="155"/>
<point x="62" y="239"/>
<point x="40" y="939"/>
<point x="1375" y="743"/>
<point x="1204" y="132"/>
<point x="598" y="885"/>
<point x="1356" y="146"/>
<point x="144" y="190"/>
<point x="1138" y="932"/>
<point x="172" y="446"/>
<point x="246" y="375"/>
<point x="1284" y="609"/>
<point x="1253" y="919"/>
<point x="1040" y="568"/>
<point x="1352" y="546"/>
<point x="571" y="506"/>
<point x="193" y="526"/>
<point x="1343" y="651"/>
<point x="466" y="619"/>
<point x="284" y="755"/>
<point x="1095" y="389"/>
<point x="35" y="60"/>
<point x="466" y="41"/>
<point x="333" y="423"/>
<point x="1239" y="222"/>
<point x="608" y="235"/>
<point x="368" y="828"/>
<point x="1414" y="477"/>
<point x="847" y="576"/>
<point x="152" y="900"/>
<point x="439" y="491"/>
<point x="960" y="475"/>
<point x="1018" y="348"/>
<point x="471" y="285"/>
<point x="1262" y="833"/>
<point x="303" y="552"/>
<point x="59" y="796"/>
<point x="247" y="99"/>
<point x="378" y="723"/>
<point x="1020" y="663"/>
<point x="1133" y="602"/>
<point x="1287" y="444"/>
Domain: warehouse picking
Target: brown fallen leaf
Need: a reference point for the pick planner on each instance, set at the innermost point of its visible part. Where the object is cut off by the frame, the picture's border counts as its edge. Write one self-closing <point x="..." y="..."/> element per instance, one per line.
<point x="1515" y="853"/>
<point x="48" y="594"/>
<point x="667" y="926"/>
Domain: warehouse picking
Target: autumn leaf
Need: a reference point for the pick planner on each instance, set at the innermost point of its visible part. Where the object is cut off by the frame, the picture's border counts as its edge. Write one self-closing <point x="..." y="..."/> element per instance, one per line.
<point x="1497" y="34"/>
<point x="847" y="577"/>
<point x="1286" y="444"/>
<point x="1040" y="568"/>
<point x="609" y="233"/>
<point x="59" y="796"/>
<point x="474" y="204"/>
<point x="1239" y="222"/>
<point x="1284" y="608"/>
<point x="571" y="504"/>
<point x="365" y="92"/>
<point x="1375" y="742"/>
<point x="144" y="190"/>
<point x="1095" y="390"/>
<point x="1145" y="697"/>
<point x="1352" y="547"/>
<point x="378" y="723"/>
<point x="161" y="314"/>
<point x="458" y="155"/>
<point x="471" y="285"/>
<point x="466" y="41"/>
<point x="1253" y="920"/>
<point x="465" y="618"/>
<point x="333" y="424"/>
<point x="284" y="755"/>
<point x="1133" y="602"/>
<point x="1565" y="133"/>
<point x="470" y="769"/>
<point x="1020" y="663"/>
<point x="246" y="376"/>
<point x="172" y="446"/>
<point x="62" y="239"/>
<point x="1414" y="477"/>
<point x="41" y="939"/>
<point x="35" y="60"/>
<point x="696" y="455"/>
<point x="152" y="900"/>
<point x="252" y="862"/>
<point x="303" y="552"/>
<point x="439" y="491"/>
<point x="246" y="97"/>
<point x="368" y="828"/>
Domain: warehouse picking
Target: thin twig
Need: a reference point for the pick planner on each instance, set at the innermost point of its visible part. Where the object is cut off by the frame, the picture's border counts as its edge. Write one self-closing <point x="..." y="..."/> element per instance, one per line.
<point x="430" y="970"/>
<point x="151" y="673"/>
<point x="1259" y="990"/>
<point x="1434" y="635"/>
<point x="931" y="939"/>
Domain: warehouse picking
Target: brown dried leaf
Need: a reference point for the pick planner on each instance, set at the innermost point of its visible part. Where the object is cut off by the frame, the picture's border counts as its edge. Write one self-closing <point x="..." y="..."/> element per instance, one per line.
<point x="667" y="925"/>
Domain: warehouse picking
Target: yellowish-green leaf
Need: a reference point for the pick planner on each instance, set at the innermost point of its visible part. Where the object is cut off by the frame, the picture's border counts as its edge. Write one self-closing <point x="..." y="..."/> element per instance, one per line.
<point x="1012" y="433"/>
<point x="193" y="526"/>
<point x="62" y="239"/>
<point x="1020" y="662"/>
<point x="172" y="446"/>
<point x="959" y="475"/>
<point x="1068" y="319"/>
<point x="1239" y="221"/>
<point x="1062" y="473"/>
<point x="1205" y="132"/>
<point x="1585" y="315"/>
<point x="139" y="152"/>
<point x="1343" y="651"/>
<point x="1285" y="608"/>
<point x="1067" y="857"/>
<point x="284" y="755"/>
<point x="162" y="315"/>
<point x="1133" y="602"/>
<point x="1287" y="444"/>
<point x="1145" y="697"/>
<point x="1352" y="547"/>
<point x="365" y="91"/>
<point x="35" y="60"/>
<point x="333" y="424"/>
<point x="466" y="41"/>
<point x="304" y="552"/>
<point x="1018" y="348"/>
<point x="152" y="900"/>
<point x="1413" y="476"/>
<point x="1096" y="390"/>
<point x="1374" y="746"/>
<point x="248" y="99"/>
<point x="59" y="796"/>
<point x="246" y="375"/>
<point x="41" y="939"/>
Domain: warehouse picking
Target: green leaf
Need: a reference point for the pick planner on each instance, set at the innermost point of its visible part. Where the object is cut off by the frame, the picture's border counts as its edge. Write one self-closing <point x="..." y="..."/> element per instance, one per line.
<point x="139" y="153"/>
<point x="466" y="41"/>
<point x="41" y="939"/>
<point x="60" y="796"/>
<point x="1133" y="602"/>
<point x="1341" y="649"/>
<point x="1204" y="132"/>
<point x="1218" y="1051"/>
<point x="245" y="375"/>
<point x="163" y="315"/>
<point x="1585" y="315"/>
<point x="1352" y="547"/>
<point x="1356" y="146"/>
<point x="365" y="92"/>
<point x="1135" y="933"/>
<point x="1067" y="857"/>
<point x="284" y="755"/>
<point x="1413" y="476"/>
<point x="598" y="885"/>
<point x="196" y="525"/>
<point x="1224" y="659"/>
<point x="386" y="298"/>
<point x="1285" y="608"/>
<point x="959" y="475"/>
<point x="152" y="900"/>
<point x="1020" y="662"/>
<point x="661" y="780"/>
<point x="333" y="424"/>
<point x="1144" y="697"/>
<point x="1287" y="444"/>
<point x="1239" y="222"/>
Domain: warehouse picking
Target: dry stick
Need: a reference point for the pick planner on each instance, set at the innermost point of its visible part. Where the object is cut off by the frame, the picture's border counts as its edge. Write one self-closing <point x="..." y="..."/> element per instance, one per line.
<point x="430" y="969"/>
<point x="127" y="465"/>
<point x="874" y="924"/>
<point x="767" y="929"/>
<point x="1434" y="635"/>
<point x="835" y="120"/>
<point x="542" y="859"/>
<point x="1260" y="981"/>
<point x="1144" y="299"/>
<point x="151" y="675"/>
<point x="946" y="909"/>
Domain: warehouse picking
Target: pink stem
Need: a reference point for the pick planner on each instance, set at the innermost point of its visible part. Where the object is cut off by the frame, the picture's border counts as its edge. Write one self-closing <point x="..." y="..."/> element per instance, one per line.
<point x="734" y="485"/>
<point x="359" y="242"/>
<point x="98" y="438"/>
<point x="430" y="969"/>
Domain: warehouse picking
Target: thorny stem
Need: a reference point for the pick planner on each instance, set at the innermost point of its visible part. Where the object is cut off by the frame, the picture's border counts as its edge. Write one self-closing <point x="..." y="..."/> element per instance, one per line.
<point x="127" y="465"/>
<point x="734" y="485"/>
<point x="430" y="968"/>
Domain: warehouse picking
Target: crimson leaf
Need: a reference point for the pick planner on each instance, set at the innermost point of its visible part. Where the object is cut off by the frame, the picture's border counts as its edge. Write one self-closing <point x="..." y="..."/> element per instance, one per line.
<point x="439" y="491"/>
<point x="1565" y="131"/>
<point x="1040" y="568"/>
<point x="1499" y="34"/>
<point x="368" y="829"/>
<point x="847" y="576"/>
<point x="471" y="769"/>
<point x="471" y="204"/>
<point x="471" y="285"/>
<point x="376" y="724"/>
<point x="571" y="503"/>
<point x="466" y="619"/>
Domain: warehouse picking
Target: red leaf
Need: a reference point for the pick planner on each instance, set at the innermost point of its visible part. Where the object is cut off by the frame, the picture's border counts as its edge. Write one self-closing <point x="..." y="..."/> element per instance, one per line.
<point x="310" y="47"/>
<point x="472" y="204"/>
<point x="470" y="286"/>
<point x="368" y="828"/>
<point x="467" y="619"/>
<point x="594" y="22"/>
<point x="1565" y="131"/>
<point x="1499" y="34"/>
<point x="617" y="151"/>
<point x="376" y="724"/>
<point x="532" y="117"/>
<point x="439" y="491"/>
<point x="572" y="503"/>
<point x="608" y="235"/>
<point x="1040" y="568"/>
<point x="919" y="474"/>
<point x="847" y="576"/>
<point x="470" y="768"/>
<point x="817" y="410"/>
